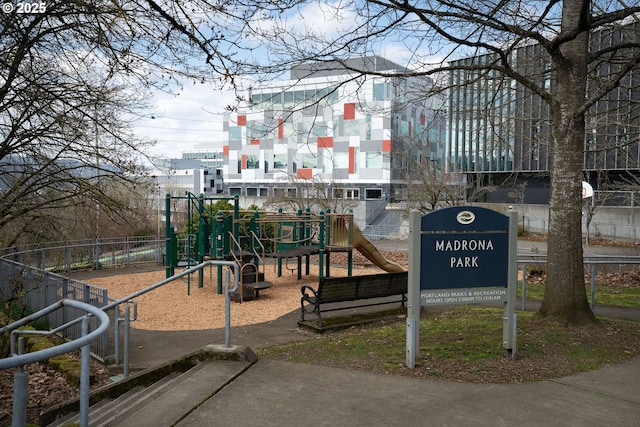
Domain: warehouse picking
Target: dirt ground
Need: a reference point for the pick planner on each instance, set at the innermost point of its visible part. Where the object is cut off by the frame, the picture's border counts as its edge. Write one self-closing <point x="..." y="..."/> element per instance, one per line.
<point x="179" y="306"/>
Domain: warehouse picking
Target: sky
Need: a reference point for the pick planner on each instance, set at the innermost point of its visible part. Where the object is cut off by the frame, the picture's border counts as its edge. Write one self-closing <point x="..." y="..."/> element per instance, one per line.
<point x="182" y="122"/>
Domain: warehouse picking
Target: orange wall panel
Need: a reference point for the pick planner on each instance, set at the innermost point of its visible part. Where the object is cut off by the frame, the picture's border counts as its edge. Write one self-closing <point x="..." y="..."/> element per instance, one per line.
<point x="349" y="111"/>
<point x="304" y="173"/>
<point x="325" y="142"/>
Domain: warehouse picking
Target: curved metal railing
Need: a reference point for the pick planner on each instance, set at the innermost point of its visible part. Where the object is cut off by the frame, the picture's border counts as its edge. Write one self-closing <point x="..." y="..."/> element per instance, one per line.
<point x="19" y="358"/>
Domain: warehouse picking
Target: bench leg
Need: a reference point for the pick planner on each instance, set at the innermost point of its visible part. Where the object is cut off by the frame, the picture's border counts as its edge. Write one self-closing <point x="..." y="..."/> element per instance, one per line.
<point x="316" y="310"/>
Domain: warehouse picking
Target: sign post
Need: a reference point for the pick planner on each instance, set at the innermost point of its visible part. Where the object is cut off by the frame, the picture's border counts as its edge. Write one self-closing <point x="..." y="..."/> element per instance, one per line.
<point x="461" y="255"/>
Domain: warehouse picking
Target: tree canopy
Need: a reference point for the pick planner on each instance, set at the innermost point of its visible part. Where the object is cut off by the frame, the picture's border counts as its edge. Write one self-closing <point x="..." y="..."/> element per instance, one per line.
<point x="74" y="77"/>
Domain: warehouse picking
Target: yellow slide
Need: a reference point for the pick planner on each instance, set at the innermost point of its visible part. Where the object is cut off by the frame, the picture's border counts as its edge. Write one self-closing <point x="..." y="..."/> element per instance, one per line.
<point x="363" y="245"/>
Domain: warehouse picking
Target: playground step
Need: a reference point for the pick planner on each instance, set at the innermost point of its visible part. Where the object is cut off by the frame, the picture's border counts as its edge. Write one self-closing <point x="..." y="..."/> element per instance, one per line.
<point x="166" y="401"/>
<point x="250" y="291"/>
<point x="258" y="286"/>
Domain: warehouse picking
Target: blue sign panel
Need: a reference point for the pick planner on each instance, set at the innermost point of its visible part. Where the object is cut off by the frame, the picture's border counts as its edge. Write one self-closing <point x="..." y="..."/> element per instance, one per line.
<point x="464" y="247"/>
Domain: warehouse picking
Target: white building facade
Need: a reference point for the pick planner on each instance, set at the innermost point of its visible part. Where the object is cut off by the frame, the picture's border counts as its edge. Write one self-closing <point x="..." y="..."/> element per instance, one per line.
<point x="354" y="135"/>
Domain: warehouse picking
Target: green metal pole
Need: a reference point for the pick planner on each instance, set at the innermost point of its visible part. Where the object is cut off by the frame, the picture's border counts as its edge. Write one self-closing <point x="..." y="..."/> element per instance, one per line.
<point x="236" y="216"/>
<point x="279" y="234"/>
<point x="297" y="237"/>
<point x="327" y="221"/>
<point x="167" y="235"/>
<point x="202" y="237"/>
<point x="321" y="249"/>
<point x="174" y="250"/>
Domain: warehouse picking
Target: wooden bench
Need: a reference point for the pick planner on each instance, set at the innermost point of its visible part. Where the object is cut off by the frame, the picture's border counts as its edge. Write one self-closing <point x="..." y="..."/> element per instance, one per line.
<point x="344" y="289"/>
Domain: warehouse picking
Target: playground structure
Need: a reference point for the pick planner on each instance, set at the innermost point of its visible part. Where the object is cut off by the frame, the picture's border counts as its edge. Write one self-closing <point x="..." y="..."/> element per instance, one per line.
<point x="250" y="237"/>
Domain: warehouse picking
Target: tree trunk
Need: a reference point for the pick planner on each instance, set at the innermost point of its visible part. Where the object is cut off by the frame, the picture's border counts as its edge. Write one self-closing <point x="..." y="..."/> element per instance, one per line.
<point x="565" y="297"/>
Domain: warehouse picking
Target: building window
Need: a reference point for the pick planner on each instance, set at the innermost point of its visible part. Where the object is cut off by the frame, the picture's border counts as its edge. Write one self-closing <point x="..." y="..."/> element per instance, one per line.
<point x="381" y="91"/>
<point x="309" y="161"/>
<point x="280" y="161"/>
<point x="253" y="162"/>
<point x="235" y="133"/>
<point x="346" y="193"/>
<point x="373" y="193"/>
<point x="257" y="191"/>
<point x="341" y="160"/>
<point x="289" y="192"/>
<point x="352" y="128"/>
<point x="235" y="190"/>
<point x="374" y="159"/>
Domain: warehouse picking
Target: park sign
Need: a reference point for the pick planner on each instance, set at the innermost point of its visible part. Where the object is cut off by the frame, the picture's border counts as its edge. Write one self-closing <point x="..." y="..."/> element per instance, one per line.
<point x="463" y="248"/>
<point x="461" y="255"/>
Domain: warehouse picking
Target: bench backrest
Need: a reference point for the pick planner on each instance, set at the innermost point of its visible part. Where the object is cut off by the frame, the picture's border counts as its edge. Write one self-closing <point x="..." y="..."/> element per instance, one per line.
<point x="336" y="289"/>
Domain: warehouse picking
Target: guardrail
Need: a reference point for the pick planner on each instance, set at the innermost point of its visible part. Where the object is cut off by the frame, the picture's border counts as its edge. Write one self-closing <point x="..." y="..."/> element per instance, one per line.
<point x="19" y="358"/>
<point x="37" y="288"/>
<point x="590" y="261"/>
<point x="64" y="257"/>
<point x="33" y="274"/>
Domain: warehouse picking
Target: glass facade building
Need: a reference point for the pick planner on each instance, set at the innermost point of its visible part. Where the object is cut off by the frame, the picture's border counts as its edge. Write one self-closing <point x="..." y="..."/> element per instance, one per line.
<point x="499" y="130"/>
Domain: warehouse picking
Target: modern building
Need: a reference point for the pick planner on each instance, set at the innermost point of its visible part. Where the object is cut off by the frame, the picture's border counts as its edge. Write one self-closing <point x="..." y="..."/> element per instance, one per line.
<point x="499" y="131"/>
<point x="196" y="172"/>
<point x="326" y="129"/>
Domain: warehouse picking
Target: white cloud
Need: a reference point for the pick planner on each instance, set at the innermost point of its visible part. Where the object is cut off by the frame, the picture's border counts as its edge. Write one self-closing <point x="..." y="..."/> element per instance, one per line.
<point x="184" y="121"/>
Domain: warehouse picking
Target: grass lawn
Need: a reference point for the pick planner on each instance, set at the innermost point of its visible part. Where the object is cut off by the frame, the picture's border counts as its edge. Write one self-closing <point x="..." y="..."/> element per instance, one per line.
<point x="463" y="343"/>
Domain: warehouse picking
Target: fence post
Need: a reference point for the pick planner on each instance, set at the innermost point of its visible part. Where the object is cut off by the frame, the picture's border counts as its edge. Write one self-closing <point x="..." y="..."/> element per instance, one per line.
<point x="96" y="254"/>
<point x="67" y="257"/>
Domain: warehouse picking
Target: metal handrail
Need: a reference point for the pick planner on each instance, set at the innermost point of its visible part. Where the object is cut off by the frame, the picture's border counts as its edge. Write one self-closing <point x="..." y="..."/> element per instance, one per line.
<point x="591" y="260"/>
<point x="45" y="354"/>
<point x="230" y="290"/>
<point x="18" y="359"/>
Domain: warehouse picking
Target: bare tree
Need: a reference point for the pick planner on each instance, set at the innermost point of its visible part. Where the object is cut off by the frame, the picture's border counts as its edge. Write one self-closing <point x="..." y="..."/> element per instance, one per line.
<point x="74" y="77"/>
<point x="437" y="33"/>
<point x="315" y="193"/>
<point x="428" y="187"/>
